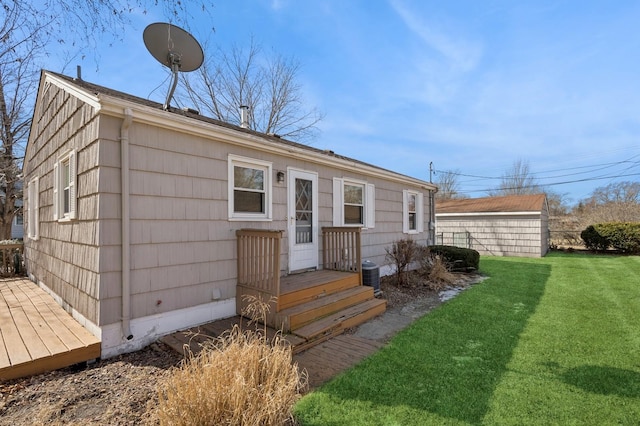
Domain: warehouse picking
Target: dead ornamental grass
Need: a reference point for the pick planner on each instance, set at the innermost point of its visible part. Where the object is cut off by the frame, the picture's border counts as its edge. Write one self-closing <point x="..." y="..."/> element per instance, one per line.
<point x="240" y="378"/>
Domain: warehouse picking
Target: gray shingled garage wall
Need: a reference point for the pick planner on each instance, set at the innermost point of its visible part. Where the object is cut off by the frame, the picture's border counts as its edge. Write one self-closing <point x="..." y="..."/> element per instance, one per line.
<point x="515" y="226"/>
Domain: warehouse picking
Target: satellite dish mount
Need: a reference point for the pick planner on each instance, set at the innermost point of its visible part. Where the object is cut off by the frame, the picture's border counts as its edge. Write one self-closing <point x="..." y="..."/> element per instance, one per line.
<point x="174" y="48"/>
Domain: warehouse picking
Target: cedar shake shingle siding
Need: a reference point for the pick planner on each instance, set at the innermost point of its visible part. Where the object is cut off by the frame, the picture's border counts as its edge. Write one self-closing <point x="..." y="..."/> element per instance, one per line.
<point x="515" y="225"/>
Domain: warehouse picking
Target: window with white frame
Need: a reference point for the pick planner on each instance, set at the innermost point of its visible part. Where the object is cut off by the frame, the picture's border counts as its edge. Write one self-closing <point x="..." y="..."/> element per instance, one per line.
<point x="412" y="212"/>
<point x="33" y="206"/>
<point x="64" y="187"/>
<point x="353" y="203"/>
<point x="249" y="189"/>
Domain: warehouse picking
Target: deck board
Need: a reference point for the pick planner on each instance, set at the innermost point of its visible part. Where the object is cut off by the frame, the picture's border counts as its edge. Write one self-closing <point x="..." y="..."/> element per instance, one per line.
<point x="36" y="334"/>
<point x="44" y="341"/>
<point x="296" y="282"/>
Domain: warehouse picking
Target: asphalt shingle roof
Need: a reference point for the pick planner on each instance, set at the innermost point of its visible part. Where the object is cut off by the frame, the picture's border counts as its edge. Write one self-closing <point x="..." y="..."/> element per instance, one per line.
<point x="97" y="90"/>
<point x="509" y="203"/>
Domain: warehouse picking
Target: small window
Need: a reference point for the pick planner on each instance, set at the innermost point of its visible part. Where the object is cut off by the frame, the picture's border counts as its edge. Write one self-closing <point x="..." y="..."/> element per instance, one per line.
<point x="33" y="207"/>
<point x="412" y="217"/>
<point x="249" y="189"/>
<point x="353" y="203"/>
<point x="64" y="187"/>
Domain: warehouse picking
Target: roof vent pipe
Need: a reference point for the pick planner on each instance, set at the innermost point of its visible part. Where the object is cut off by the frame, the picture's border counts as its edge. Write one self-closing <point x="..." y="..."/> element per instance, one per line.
<point x="244" y="116"/>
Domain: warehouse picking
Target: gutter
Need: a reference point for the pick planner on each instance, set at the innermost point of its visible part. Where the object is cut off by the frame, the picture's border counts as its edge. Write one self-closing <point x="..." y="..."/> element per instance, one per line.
<point x="126" y="238"/>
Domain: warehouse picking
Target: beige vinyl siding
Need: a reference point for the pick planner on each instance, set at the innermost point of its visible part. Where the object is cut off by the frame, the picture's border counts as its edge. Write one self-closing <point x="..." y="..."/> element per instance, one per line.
<point x="184" y="246"/>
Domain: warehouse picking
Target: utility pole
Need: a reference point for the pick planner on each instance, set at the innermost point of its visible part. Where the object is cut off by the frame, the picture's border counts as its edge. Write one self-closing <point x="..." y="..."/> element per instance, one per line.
<point x="432" y="209"/>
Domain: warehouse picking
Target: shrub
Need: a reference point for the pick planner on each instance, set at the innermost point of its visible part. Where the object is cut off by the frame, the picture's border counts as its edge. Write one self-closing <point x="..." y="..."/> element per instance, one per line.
<point x="593" y="240"/>
<point x="238" y="378"/>
<point x="401" y="254"/>
<point x="462" y="259"/>
<point x="624" y="236"/>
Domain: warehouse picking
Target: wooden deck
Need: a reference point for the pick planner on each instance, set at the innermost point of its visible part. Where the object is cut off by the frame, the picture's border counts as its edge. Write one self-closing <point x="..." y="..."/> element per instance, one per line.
<point x="36" y="334"/>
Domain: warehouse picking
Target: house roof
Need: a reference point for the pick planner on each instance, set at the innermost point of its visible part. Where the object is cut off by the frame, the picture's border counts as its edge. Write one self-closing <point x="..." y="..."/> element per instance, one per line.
<point x="101" y="93"/>
<point x="505" y="204"/>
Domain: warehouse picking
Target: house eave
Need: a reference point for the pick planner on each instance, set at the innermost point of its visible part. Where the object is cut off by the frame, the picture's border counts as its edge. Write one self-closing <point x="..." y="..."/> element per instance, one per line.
<point x="78" y="92"/>
<point x="147" y="115"/>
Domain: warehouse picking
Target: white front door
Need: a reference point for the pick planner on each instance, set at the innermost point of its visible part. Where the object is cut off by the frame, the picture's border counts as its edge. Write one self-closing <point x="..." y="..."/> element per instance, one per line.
<point x="303" y="219"/>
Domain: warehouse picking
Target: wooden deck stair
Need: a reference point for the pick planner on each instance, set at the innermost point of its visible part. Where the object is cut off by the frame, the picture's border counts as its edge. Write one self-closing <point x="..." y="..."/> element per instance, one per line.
<point x="321" y="304"/>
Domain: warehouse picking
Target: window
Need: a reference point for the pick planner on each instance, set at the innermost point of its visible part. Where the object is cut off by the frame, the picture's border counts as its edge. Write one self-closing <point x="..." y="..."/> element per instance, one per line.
<point x="412" y="216"/>
<point x="33" y="216"/>
<point x="64" y="187"/>
<point x="249" y="189"/>
<point x="353" y="203"/>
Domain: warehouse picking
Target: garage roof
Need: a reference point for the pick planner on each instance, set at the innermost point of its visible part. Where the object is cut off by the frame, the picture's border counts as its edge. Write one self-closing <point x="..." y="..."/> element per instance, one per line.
<point x="505" y="204"/>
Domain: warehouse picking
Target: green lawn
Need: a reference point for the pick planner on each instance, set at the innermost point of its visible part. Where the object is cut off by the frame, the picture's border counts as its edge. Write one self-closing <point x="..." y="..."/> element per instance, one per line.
<point x="543" y="341"/>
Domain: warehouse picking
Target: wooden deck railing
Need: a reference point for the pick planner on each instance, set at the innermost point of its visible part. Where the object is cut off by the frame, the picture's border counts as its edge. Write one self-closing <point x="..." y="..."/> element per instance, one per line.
<point x="342" y="249"/>
<point x="12" y="259"/>
<point x="259" y="261"/>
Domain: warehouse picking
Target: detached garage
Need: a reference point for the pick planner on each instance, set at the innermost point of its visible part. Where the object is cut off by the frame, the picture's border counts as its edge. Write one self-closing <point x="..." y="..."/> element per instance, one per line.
<point x="513" y="225"/>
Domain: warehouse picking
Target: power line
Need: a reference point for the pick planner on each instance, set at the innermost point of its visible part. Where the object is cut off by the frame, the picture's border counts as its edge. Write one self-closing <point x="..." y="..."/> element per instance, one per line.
<point x="556" y="183"/>
<point x="535" y="175"/>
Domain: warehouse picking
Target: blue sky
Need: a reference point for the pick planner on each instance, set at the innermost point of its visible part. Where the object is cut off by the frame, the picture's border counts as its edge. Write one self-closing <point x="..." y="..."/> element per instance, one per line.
<point x="468" y="85"/>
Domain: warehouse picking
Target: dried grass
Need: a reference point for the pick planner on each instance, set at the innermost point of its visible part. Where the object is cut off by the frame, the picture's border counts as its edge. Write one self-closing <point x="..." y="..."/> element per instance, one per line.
<point x="239" y="378"/>
<point x="439" y="275"/>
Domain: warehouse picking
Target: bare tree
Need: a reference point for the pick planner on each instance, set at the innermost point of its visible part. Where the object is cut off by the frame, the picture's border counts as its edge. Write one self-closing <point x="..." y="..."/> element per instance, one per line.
<point x="557" y="203"/>
<point x="617" y="192"/>
<point x="616" y="202"/>
<point x="448" y="185"/>
<point x="517" y="181"/>
<point x="21" y="39"/>
<point x="26" y="30"/>
<point x="267" y="84"/>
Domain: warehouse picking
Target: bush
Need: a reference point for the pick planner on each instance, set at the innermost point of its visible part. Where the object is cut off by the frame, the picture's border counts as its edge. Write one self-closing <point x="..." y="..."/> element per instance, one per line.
<point x="401" y="254"/>
<point x="624" y="236"/>
<point x="461" y="259"/>
<point x="239" y="378"/>
<point x="593" y="240"/>
<point x="436" y="270"/>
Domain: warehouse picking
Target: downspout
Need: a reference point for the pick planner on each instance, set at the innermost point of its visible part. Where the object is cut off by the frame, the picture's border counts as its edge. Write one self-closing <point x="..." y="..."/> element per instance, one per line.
<point x="432" y="217"/>
<point x="126" y="247"/>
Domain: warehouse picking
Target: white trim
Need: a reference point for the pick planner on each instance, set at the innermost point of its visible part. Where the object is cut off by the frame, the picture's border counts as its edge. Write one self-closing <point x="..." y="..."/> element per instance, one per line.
<point x="33" y="209"/>
<point x="84" y="321"/>
<point x="370" y="206"/>
<point x="419" y="211"/>
<point x="305" y="255"/>
<point x="58" y="191"/>
<point x="532" y="213"/>
<point x="267" y="167"/>
<point x="83" y="95"/>
<point x="368" y="203"/>
<point x="148" y="329"/>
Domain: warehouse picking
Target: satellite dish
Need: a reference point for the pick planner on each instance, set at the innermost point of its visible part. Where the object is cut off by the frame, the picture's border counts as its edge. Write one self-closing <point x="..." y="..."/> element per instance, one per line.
<point x="174" y="48"/>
